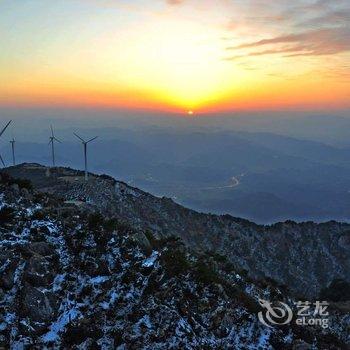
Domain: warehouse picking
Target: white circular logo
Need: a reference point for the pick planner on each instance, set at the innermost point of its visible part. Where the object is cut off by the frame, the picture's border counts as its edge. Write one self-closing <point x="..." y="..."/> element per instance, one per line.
<point x="274" y="315"/>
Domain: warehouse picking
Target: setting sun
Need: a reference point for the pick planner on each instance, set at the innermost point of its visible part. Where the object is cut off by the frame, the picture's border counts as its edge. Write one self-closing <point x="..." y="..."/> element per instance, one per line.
<point x="168" y="56"/>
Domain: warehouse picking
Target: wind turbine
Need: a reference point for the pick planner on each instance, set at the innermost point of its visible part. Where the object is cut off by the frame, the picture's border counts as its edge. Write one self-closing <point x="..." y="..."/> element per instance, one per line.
<point x="85" y="151"/>
<point x="52" y="142"/>
<point x="2" y="131"/>
<point x="12" y="142"/>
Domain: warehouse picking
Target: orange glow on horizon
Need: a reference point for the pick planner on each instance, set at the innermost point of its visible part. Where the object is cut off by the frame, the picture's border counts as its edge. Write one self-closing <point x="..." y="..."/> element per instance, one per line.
<point x="170" y="59"/>
<point x="273" y="98"/>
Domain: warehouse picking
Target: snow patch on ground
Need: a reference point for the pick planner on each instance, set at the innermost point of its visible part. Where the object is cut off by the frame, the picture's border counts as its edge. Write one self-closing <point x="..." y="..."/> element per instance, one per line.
<point x="60" y="324"/>
<point x="2" y="202"/>
<point x="149" y="262"/>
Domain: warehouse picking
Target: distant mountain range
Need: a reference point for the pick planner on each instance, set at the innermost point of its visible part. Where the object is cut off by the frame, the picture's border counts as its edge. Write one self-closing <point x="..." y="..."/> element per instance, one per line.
<point x="277" y="177"/>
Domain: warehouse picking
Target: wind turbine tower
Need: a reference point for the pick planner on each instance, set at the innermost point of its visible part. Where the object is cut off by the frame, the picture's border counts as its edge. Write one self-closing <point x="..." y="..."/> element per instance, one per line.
<point x="85" y="143"/>
<point x="52" y="142"/>
<point x="2" y="131"/>
<point x="12" y="142"/>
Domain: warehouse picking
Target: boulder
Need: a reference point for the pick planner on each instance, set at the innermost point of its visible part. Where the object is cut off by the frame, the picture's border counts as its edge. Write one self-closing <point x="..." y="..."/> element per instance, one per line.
<point x="39" y="272"/>
<point x="38" y="306"/>
<point x="42" y="248"/>
<point x="8" y="268"/>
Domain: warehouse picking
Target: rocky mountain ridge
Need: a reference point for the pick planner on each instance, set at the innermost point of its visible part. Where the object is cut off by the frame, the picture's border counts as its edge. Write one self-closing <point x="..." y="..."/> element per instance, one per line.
<point x="71" y="278"/>
<point x="305" y="257"/>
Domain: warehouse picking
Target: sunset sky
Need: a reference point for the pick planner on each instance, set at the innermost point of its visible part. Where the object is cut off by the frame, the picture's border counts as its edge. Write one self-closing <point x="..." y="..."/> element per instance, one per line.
<point x="200" y="55"/>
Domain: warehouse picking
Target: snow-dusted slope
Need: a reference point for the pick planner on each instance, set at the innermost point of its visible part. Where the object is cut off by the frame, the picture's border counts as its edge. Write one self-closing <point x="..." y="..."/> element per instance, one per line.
<point x="306" y="257"/>
<point x="75" y="280"/>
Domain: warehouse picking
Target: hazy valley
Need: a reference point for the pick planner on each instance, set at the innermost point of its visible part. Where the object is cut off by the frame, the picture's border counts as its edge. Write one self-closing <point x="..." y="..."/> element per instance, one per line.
<point x="264" y="177"/>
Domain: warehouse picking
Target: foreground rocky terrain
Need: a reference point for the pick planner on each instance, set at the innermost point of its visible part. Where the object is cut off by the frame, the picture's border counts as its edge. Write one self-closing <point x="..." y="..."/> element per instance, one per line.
<point x="305" y="257"/>
<point x="75" y="279"/>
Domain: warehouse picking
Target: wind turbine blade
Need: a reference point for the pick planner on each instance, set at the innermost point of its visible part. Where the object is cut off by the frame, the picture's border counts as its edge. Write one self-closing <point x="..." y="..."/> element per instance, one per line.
<point x="3" y="130"/>
<point x="94" y="138"/>
<point x="57" y="139"/>
<point x="2" y="161"/>
<point x="78" y="137"/>
<point x="50" y="142"/>
<point x="52" y="131"/>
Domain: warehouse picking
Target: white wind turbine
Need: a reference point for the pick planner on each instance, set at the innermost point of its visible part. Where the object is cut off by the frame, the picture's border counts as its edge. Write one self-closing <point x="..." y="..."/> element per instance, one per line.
<point x="2" y="131"/>
<point x="85" y="152"/>
<point x="52" y="142"/>
<point x="12" y="142"/>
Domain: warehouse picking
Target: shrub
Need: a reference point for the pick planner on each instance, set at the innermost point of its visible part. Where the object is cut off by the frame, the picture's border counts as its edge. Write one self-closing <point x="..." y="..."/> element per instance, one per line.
<point x="123" y="227"/>
<point x="38" y="215"/>
<point x="174" y="261"/>
<point x="338" y="290"/>
<point x="205" y="273"/>
<point x="218" y="257"/>
<point x="151" y="239"/>
<point x="249" y="302"/>
<point x="22" y="183"/>
<point x="171" y="242"/>
<point x="7" y="179"/>
<point x="110" y="225"/>
<point x="7" y="214"/>
<point x="109" y="178"/>
<point x="102" y="239"/>
<point x="95" y="220"/>
<point x="38" y="197"/>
